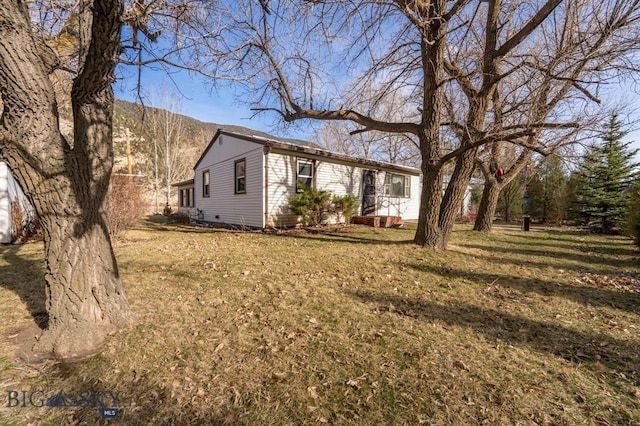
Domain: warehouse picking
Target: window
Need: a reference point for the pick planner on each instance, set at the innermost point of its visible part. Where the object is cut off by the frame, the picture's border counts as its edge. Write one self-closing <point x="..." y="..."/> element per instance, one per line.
<point x="205" y="183"/>
<point x="240" y="177"/>
<point x="305" y="174"/>
<point x="185" y="198"/>
<point x="397" y="185"/>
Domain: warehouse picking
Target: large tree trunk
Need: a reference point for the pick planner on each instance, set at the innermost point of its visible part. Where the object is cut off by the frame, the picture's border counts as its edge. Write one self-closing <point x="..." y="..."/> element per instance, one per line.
<point x="488" y="205"/>
<point x="85" y="295"/>
<point x="432" y="46"/>
<point x="67" y="184"/>
<point x="454" y="194"/>
<point x="428" y="232"/>
<point x="492" y="189"/>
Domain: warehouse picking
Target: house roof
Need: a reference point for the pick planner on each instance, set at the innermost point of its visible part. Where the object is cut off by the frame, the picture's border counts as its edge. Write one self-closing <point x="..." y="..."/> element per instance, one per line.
<point x="188" y="182"/>
<point x="296" y="146"/>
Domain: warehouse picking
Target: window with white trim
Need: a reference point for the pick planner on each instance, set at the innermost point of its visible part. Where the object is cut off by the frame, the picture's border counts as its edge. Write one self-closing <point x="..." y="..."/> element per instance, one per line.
<point x="205" y="183"/>
<point x="397" y="185"/>
<point x="305" y="174"/>
<point x="240" y="176"/>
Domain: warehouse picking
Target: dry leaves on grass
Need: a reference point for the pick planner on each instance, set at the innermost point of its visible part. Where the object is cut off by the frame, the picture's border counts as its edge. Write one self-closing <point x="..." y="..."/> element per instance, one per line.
<point x="623" y="283"/>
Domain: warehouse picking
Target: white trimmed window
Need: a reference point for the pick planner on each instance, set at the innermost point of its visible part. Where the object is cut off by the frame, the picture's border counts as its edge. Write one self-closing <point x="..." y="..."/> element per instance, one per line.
<point x="397" y="186"/>
<point x="305" y="174"/>
<point x="205" y="183"/>
<point x="240" y="176"/>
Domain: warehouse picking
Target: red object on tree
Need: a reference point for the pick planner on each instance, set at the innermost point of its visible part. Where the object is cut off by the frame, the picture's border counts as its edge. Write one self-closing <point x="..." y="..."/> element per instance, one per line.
<point x="500" y="172"/>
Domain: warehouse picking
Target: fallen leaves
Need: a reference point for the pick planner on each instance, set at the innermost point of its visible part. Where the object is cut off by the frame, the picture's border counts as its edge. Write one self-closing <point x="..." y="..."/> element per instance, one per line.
<point x="622" y="283"/>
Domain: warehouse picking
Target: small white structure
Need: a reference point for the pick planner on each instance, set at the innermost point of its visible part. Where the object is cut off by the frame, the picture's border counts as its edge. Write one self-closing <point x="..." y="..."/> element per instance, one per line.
<point x="247" y="180"/>
<point x="10" y="193"/>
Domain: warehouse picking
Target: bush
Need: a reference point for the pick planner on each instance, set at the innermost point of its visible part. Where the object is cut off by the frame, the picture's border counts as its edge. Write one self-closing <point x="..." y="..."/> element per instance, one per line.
<point x="310" y="204"/>
<point x="179" y="218"/>
<point x="124" y="206"/>
<point x="345" y="206"/>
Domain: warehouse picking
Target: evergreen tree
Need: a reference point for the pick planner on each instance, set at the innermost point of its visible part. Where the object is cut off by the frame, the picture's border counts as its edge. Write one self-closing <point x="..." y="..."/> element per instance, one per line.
<point x="547" y="191"/>
<point x="510" y="201"/>
<point x="633" y="213"/>
<point x="604" y="178"/>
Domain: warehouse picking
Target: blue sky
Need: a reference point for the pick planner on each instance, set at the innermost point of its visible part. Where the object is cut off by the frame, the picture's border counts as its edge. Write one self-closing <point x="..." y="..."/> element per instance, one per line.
<point x="197" y="99"/>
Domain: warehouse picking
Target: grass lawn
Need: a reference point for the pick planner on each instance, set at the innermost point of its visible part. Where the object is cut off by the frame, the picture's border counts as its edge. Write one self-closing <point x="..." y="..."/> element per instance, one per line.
<point x="354" y="326"/>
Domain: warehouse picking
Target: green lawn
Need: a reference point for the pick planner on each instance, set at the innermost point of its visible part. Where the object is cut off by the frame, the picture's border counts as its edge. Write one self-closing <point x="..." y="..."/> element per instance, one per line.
<point x="354" y="326"/>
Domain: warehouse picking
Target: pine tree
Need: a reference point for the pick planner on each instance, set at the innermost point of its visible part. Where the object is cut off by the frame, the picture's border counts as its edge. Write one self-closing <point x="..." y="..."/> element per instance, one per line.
<point x="547" y="191"/>
<point x="633" y="213"/>
<point x="604" y="178"/>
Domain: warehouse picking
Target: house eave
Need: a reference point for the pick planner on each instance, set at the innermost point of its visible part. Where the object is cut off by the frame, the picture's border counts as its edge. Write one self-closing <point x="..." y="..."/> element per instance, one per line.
<point x="188" y="182"/>
<point x="313" y="153"/>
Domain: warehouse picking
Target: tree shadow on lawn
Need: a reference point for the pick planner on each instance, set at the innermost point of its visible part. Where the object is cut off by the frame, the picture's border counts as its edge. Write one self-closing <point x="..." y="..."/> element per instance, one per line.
<point x="532" y="262"/>
<point x="342" y="237"/>
<point x="610" y="247"/>
<point x="180" y="227"/>
<point x="585" y="295"/>
<point x="564" y="255"/>
<point x="572" y="345"/>
<point x="24" y="277"/>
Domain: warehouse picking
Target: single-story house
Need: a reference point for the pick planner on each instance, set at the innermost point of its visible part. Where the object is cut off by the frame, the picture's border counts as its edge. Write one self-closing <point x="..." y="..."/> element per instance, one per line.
<point x="245" y="179"/>
<point x="10" y="194"/>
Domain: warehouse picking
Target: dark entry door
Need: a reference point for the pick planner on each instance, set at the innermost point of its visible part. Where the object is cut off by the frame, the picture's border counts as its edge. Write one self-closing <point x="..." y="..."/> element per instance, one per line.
<point x="369" y="193"/>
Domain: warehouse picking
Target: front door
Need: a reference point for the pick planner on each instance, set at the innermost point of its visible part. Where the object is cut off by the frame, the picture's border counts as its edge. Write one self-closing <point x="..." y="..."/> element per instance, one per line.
<point x="369" y="193"/>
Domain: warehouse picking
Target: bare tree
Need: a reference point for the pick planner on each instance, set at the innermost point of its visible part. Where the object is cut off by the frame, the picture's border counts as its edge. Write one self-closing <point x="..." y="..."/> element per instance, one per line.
<point x="416" y="50"/>
<point x="551" y="93"/>
<point x="174" y="154"/>
<point x="66" y="181"/>
<point x="380" y="146"/>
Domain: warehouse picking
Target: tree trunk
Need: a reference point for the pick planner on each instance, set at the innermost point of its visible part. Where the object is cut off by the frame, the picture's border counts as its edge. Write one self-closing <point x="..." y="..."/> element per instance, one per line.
<point x="507" y="207"/>
<point x="85" y="296"/>
<point x="156" y="181"/>
<point x="67" y="184"/>
<point x="487" y="208"/>
<point x="432" y="47"/>
<point x="489" y="200"/>
<point x="428" y="232"/>
<point x="454" y="194"/>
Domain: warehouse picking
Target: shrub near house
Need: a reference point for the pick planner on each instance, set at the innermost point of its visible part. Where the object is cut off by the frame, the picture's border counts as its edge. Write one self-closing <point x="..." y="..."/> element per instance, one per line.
<point x="313" y="205"/>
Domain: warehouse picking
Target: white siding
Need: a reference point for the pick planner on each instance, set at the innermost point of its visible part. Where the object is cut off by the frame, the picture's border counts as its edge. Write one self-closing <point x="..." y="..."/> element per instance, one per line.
<point x="5" y="205"/>
<point x="407" y="208"/>
<point x="340" y="179"/>
<point x="281" y="177"/>
<point x="223" y="205"/>
<point x="337" y="178"/>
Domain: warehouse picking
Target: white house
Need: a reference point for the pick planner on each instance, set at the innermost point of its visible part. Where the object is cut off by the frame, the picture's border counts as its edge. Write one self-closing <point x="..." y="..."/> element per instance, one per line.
<point x="10" y="193"/>
<point x="246" y="180"/>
